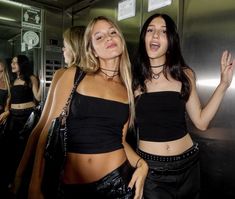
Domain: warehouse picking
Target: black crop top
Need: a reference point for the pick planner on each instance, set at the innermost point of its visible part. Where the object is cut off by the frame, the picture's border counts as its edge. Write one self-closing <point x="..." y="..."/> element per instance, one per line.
<point x="21" y="94"/>
<point x="95" y="124"/>
<point x="160" y="116"/>
<point x="3" y="97"/>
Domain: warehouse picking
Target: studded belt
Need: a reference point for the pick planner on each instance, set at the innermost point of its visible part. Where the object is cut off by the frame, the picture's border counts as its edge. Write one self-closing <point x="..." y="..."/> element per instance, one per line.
<point x="190" y="152"/>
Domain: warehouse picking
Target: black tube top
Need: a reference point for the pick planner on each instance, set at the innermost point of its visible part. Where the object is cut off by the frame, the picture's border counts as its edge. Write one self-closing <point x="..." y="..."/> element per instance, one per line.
<point x="160" y="116"/>
<point x="21" y="94"/>
<point x="95" y="124"/>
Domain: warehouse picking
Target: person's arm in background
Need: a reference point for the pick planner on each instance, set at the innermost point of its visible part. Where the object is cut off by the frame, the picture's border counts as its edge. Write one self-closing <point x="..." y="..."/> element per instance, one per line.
<point x="36" y="87"/>
<point x="34" y="136"/>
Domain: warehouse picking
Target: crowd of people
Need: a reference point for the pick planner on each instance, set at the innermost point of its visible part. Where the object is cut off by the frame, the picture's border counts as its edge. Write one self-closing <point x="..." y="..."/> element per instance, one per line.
<point x="152" y="95"/>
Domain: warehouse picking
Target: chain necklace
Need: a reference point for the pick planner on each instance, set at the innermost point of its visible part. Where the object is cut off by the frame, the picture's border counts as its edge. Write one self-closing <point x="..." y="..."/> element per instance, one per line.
<point x="115" y="73"/>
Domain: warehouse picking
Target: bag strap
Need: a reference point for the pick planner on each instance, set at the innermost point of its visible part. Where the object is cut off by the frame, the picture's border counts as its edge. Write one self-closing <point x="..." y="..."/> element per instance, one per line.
<point x="64" y="113"/>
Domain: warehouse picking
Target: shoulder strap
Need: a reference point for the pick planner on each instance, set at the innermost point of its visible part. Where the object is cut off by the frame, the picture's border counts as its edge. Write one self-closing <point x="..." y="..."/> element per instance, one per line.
<point x="80" y="76"/>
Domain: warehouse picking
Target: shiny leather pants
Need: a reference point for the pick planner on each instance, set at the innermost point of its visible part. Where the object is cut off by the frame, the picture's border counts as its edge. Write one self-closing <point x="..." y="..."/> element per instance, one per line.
<point x="112" y="186"/>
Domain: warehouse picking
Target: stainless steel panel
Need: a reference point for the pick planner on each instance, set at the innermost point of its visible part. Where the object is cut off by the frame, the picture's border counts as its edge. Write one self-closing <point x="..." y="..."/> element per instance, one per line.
<point x="209" y="29"/>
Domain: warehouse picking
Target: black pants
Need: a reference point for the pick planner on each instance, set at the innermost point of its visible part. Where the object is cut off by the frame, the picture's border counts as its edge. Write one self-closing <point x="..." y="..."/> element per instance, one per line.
<point x="172" y="177"/>
<point x="112" y="186"/>
<point x="12" y="147"/>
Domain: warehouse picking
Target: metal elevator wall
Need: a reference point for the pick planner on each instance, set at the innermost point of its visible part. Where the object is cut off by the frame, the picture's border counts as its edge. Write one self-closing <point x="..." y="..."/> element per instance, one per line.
<point x="206" y="28"/>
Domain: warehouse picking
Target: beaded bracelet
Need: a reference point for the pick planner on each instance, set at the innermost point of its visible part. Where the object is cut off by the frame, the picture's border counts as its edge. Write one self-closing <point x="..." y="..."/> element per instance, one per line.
<point x="137" y="162"/>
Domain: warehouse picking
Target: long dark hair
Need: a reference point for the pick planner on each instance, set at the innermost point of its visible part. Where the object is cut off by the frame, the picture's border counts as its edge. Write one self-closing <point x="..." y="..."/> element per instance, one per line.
<point x="24" y="68"/>
<point x="175" y="62"/>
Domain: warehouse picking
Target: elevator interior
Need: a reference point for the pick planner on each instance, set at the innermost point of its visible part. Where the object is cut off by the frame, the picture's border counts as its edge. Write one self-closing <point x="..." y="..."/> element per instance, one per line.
<point x="206" y="29"/>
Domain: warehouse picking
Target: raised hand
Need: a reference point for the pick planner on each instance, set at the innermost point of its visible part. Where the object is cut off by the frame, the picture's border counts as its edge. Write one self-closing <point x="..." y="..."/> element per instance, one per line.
<point x="227" y="67"/>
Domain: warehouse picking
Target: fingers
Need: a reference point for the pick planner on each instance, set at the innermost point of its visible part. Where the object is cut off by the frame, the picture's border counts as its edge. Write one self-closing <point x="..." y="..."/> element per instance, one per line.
<point x="226" y="61"/>
<point x="224" y="57"/>
<point x="135" y="182"/>
<point x="138" y="194"/>
<point x="132" y="182"/>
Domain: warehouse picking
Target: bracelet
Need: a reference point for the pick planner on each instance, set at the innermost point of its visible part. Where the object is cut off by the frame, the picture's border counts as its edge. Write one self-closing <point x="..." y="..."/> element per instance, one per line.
<point x="137" y="162"/>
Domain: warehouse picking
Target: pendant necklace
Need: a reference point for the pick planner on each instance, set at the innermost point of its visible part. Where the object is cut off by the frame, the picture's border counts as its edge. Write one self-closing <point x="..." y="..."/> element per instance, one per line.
<point x="156" y="75"/>
<point x="115" y="73"/>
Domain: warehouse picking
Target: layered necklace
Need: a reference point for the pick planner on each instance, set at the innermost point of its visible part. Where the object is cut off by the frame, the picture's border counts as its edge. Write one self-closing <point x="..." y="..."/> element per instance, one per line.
<point x="157" y="75"/>
<point x="105" y="71"/>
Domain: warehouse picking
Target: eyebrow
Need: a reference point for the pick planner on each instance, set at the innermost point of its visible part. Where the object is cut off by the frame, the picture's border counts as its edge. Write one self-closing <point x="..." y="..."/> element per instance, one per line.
<point x="111" y="27"/>
<point x="163" y="26"/>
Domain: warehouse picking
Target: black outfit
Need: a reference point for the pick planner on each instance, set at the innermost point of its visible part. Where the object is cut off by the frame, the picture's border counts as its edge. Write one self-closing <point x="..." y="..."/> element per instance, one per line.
<point x="13" y="143"/>
<point x="95" y="126"/>
<point x="160" y="117"/>
<point x="112" y="186"/>
<point x="3" y="177"/>
<point x="3" y="99"/>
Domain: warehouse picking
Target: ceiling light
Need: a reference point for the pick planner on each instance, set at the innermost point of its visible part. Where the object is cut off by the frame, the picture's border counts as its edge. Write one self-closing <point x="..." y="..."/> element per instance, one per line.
<point x="15" y="3"/>
<point x="6" y="19"/>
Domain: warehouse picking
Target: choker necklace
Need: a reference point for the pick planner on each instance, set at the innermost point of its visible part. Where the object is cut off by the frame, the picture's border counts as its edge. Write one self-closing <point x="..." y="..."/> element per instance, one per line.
<point x="108" y="69"/>
<point x="115" y="73"/>
<point x="158" y="66"/>
<point x="156" y="75"/>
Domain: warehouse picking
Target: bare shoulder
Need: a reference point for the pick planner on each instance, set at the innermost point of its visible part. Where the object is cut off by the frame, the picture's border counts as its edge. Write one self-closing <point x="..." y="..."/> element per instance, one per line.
<point x="66" y="77"/>
<point x="137" y="92"/>
<point x="190" y="73"/>
<point x="33" y="79"/>
<point x="60" y="72"/>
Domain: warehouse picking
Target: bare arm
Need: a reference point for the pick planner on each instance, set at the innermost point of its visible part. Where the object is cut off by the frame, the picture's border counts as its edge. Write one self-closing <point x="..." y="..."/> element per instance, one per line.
<point x="61" y="94"/>
<point x="34" y="136"/>
<point x="201" y="117"/>
<point x="141" y="166"/>
<point x="35" y="87"/>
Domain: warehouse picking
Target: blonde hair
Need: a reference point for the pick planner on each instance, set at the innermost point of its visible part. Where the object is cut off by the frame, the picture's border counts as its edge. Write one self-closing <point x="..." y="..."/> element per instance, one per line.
<point x="90" y="63"/>
<point x="73" y="36"/>
<point x="5" y="76"/>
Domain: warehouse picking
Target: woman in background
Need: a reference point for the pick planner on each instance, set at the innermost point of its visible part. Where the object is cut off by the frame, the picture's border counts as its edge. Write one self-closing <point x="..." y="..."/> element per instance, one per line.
<point x="165" y="89"/>
<point x="99" y="163"/>
<point x="4" y="112"/>
<point x="25" y="93"/>
<point x="73" y="38"/>
<point x="4" y="92"/>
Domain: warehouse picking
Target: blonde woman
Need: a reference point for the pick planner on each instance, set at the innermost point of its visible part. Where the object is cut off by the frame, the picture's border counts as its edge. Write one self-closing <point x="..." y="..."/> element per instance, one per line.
<point x="73" y="38"/>
<point x="99" y="162"/>
<point x="4" y="92"/>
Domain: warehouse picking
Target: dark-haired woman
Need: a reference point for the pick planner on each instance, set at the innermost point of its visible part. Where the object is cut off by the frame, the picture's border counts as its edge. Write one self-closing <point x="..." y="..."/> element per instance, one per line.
<point x="165" y="89"/>
<point x="25" y="93"/>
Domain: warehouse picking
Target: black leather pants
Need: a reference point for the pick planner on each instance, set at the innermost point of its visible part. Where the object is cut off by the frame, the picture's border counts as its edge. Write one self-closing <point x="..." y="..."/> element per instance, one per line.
<point x="112" y="186"/>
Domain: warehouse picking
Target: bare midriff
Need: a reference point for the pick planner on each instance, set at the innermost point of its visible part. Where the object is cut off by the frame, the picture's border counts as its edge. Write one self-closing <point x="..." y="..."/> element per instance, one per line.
<point x="169" y="148"/>
<point x="23" y="105"/>
<point x="87" y="168"/>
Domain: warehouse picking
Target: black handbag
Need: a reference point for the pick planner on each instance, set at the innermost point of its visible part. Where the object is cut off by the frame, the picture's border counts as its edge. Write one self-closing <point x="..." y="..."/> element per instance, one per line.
<point x="30" y="123"/>
<point x="55" y="150"/>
